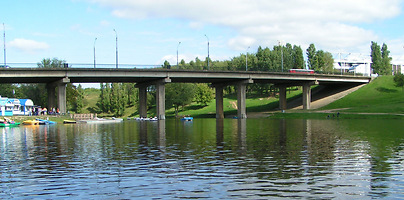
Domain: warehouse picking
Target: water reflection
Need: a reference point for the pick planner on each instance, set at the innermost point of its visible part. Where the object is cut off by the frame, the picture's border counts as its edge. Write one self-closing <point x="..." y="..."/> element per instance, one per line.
<point x="206" y="158"/>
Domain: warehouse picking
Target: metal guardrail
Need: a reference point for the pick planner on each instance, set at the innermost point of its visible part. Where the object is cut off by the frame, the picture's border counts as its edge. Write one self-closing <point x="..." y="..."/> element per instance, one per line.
<point x="85" y="65"/>
<point x="137" y="66"/>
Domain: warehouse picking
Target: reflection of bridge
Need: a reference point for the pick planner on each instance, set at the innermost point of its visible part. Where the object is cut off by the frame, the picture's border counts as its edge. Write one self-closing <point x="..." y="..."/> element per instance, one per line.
<point x="59" y="77"/>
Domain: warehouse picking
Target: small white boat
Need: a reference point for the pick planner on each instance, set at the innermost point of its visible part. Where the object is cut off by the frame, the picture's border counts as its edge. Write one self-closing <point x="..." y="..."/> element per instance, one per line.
<point x="101" y="120"/>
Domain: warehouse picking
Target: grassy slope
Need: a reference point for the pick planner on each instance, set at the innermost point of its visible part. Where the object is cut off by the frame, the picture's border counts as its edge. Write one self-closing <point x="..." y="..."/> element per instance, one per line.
<point x="380" y="96"/>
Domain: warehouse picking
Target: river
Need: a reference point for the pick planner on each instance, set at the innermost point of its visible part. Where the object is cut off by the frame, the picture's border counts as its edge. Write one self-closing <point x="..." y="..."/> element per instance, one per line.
<point x="205" y="158"/>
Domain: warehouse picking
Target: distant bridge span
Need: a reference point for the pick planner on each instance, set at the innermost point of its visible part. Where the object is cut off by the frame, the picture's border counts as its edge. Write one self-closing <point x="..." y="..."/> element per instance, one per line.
<point x="59" y="77"/>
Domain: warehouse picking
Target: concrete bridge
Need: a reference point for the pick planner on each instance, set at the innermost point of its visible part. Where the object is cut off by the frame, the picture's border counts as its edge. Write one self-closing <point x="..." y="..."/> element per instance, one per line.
<point x="59" y="77"/>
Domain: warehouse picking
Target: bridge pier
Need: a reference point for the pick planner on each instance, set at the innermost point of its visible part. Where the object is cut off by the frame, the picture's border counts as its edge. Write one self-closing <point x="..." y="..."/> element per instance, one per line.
<point x="241" y="98"/>
<point x="51" y="88"/>
<point x="219" y="101"/>
<point x="282" y="98"/>
<point x="306" y="96"/>
<point x="160" y="100"/>
<point x="160" y="97"/>
<point x="61" y="95"/>
<point x="142" y="101"/>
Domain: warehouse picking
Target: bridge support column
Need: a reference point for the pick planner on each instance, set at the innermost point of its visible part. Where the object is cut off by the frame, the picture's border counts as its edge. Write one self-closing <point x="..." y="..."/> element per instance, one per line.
<point x="241" y="98"/>
<point x="51" y="88"/>
<point x="282" y="98"/>
<point x="160" y="101"/>
<point x="160" y="97"/>
<point x="219" y="101"/>
<point x="306" y="96"/>
<point x="62" y="94"/>
<point x="143" y="101"/>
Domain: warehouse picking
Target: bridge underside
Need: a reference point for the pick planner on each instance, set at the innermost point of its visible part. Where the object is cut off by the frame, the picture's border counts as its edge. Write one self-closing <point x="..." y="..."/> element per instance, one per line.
<point x="58" y="78"/>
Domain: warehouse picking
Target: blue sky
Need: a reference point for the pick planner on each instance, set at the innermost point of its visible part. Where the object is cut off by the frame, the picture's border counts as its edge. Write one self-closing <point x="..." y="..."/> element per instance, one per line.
<point x="149" y="31"/>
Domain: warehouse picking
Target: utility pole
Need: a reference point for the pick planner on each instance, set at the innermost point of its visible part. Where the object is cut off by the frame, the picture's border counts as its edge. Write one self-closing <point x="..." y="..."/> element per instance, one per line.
<point x="246" y="57"/>
<point x="4" y="38"/>
<point x="208" y="49"/>
<point x="281" y="45"/>
<point x="116" y="49"/>
<point x="177" y="52"/>
<point x="94" y="51"/>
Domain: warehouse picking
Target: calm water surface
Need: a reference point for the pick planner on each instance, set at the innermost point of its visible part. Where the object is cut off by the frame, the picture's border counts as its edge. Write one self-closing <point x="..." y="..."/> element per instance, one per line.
<point x="206" y="158"/>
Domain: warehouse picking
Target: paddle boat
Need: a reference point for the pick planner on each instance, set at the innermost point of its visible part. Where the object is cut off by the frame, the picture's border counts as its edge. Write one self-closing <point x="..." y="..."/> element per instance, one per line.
<point x="187" y="118"/>
<point x="45" y="122"/>
<point x="68" y="121"/>
<point x="101" y="120"/>
<point x="30" y="122"/>
<point x="8" y="123"/>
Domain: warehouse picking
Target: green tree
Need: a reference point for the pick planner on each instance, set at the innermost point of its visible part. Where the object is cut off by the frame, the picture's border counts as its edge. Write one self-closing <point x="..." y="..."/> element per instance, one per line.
<point x="179" y="94"/>
<point x="298" y="57"/>
<point x="263" y="60"/>
<point x="51" y="63"/>
<point x="376" y="55"/>
<point x="312" y="61"/>
<point x="325" y="61"/>
<point x="203" y="94"/>
<point x="79" y="104"/>
<point x="104" y="102"/>
<point x="386" y="61"/>
<point x="399" y="80"/>
<point x="166" y="65"/>
<point x="118" y="100"/>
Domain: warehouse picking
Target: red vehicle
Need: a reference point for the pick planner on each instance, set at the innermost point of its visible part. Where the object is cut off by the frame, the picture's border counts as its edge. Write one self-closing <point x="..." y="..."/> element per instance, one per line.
<point x="302" y="71"/>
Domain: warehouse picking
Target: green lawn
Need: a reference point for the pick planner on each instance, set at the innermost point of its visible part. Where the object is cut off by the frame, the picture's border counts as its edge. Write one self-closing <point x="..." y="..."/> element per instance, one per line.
<point x="380" y="96"/>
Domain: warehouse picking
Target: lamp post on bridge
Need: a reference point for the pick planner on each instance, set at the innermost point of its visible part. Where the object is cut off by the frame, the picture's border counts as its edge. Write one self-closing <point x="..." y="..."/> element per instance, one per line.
<point x="116" y="49"/>
<point x="208" y="49"/>
<point x="177" y="52"/>
<point x="281" y="45"/>
<point x="94" y="51"/>
<point x="4" y="37"/>
<point x="246" y="56"/>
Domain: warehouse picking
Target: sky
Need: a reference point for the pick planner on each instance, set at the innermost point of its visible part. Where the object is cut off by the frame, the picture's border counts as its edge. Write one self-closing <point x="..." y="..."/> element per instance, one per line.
<point x="151" y="31"/>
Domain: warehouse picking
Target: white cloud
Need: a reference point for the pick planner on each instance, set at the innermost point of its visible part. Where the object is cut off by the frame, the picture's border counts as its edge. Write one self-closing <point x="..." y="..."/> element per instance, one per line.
<point x="28" y="45"/>
<point x="329" y="24"/>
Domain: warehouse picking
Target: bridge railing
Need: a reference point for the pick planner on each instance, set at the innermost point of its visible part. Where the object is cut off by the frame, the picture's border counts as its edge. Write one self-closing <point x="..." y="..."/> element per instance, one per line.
<point x="85" y="65"/>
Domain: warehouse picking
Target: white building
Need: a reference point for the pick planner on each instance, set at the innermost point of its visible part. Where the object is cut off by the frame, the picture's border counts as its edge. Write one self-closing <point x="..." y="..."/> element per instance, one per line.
<point x="354" y="63"/>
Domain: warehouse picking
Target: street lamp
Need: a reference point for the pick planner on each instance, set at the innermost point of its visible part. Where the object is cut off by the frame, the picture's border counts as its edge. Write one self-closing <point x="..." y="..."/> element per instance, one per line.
<point x="208" y="49"/>
<point x="94" y="51"/>
<point x="281" y="53"/>
<point x="116" y="49"/>
<point x="4" y="37"/>
<point x="246" y="55"/>
<point x="177" y="52"/>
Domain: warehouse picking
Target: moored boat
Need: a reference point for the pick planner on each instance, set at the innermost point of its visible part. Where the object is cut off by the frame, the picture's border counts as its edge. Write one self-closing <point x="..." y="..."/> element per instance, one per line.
<point x="187" y="119"/>
<point x="7" y="124"/>
<point x="68" y="121"/>
<point x="102" y="120"/>
<point x="30" y="122"/>
<point x="45" y="122"/>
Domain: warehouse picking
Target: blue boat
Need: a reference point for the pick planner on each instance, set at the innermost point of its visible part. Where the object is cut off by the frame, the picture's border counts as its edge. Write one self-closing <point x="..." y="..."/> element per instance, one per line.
<point x="187" y="119"/>
<point x="45" y="122"/>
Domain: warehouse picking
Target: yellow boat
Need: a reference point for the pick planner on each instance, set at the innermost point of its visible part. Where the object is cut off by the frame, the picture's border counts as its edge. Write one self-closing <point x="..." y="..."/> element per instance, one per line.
<point x="66" y="121"/>
<point x="30" y="122"/>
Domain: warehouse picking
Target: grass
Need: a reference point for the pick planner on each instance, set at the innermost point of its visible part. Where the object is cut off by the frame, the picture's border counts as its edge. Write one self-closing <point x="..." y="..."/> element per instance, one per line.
<point x="380" y="96"/>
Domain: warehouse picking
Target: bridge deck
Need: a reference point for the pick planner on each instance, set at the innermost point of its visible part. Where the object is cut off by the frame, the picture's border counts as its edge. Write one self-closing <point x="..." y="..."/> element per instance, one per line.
<point x="41" y="75"/>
